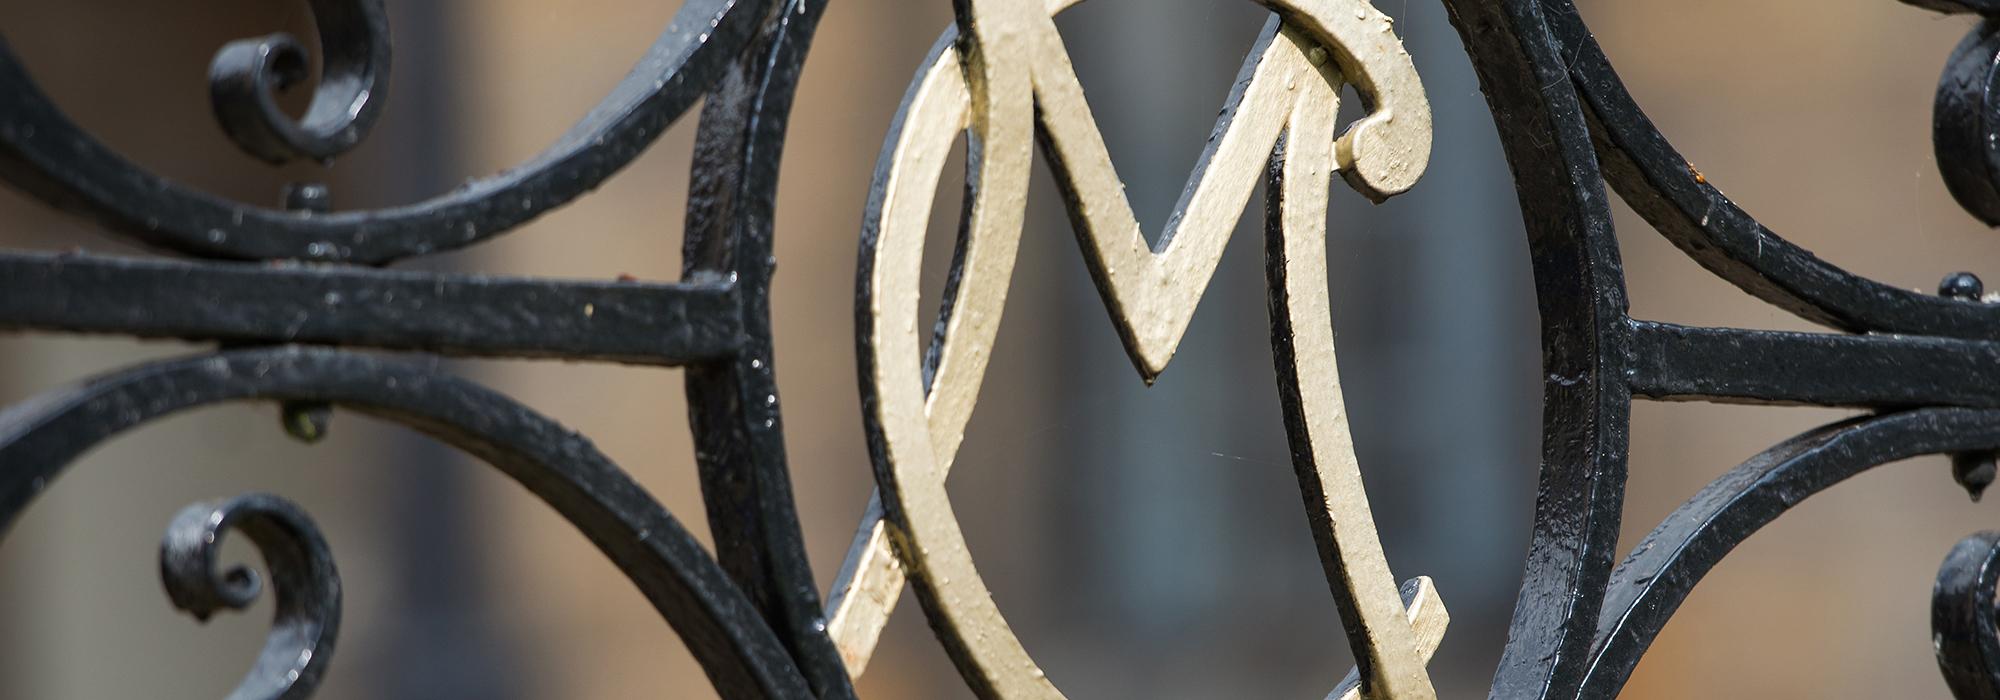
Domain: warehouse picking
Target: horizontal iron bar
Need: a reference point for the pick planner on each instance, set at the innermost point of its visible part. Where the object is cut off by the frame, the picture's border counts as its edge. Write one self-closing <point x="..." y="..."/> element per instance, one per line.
<point x="1681" y="363"/>
<point x="452" y="314"/>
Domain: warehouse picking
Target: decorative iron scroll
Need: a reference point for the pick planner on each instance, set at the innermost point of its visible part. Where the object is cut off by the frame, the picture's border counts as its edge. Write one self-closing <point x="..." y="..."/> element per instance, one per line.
<point x="1568" y="127"/>
<point x="288" y="294"/>
<point x="288" y="322"/>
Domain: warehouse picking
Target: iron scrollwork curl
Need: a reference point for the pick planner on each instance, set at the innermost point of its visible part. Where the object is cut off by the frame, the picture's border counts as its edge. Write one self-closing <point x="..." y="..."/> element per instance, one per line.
<point x="1966" y="116"/>
<point x="354" y="40"/>
<point x="749" y="612"/>
<point x="1569" y="127"/>
<point x="724" y="631"/>
<point x="1919" y="365"/>
<point x="307" y="616"/>
<point x="44" y="153"/>
<point x="1963" y="612"/>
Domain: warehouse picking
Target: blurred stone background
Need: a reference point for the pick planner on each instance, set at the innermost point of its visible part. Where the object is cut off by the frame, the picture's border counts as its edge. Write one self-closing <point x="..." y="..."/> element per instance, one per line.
<point x="1144" y="542"/>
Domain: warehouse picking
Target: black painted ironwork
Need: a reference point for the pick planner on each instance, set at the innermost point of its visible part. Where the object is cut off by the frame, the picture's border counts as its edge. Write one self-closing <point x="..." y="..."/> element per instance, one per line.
<point x="1915" y="361"/>
<point x="287" y="293"/>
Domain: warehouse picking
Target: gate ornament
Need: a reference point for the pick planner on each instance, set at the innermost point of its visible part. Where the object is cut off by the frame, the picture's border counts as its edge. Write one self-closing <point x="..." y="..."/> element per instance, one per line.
<point x="1008" y="80"/>
<point x="289" y="323"/>
<point x="291" y="297"/>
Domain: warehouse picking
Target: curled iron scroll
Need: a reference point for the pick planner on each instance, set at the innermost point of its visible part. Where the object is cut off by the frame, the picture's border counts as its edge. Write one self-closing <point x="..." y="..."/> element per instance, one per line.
<point x="307" y="615"/>
<point x="46" y="154"/>
<point x="1965" y="121"/>
<point x="726" y="634"/>
<point x="1569" y="127"/>
<point x="749" y="613"/>
<point x="354" y="42"/>
<point x="1963" y="617"/>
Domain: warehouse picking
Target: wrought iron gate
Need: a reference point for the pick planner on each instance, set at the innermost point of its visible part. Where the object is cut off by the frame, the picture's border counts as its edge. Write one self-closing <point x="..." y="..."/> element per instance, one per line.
<point x="303" y="287"/>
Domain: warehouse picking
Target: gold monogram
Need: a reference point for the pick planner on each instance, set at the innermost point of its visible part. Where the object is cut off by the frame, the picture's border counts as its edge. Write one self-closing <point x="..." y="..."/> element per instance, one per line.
<point x="1010" y="75"/>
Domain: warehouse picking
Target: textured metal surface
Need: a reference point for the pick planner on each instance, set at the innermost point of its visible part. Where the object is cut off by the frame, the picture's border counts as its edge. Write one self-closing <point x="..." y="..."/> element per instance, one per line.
<point x="632" y="322"/>
<point x="290" y="294"/>
<point x="1962" y="617"/>
<point x="302" y="572"/>
<point x="1920" y="362"/>
<point x="744" y="657"/>
<point x="44" y="152"/>
<point x="354" y="77"/>
<point x="286" y="293"/>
